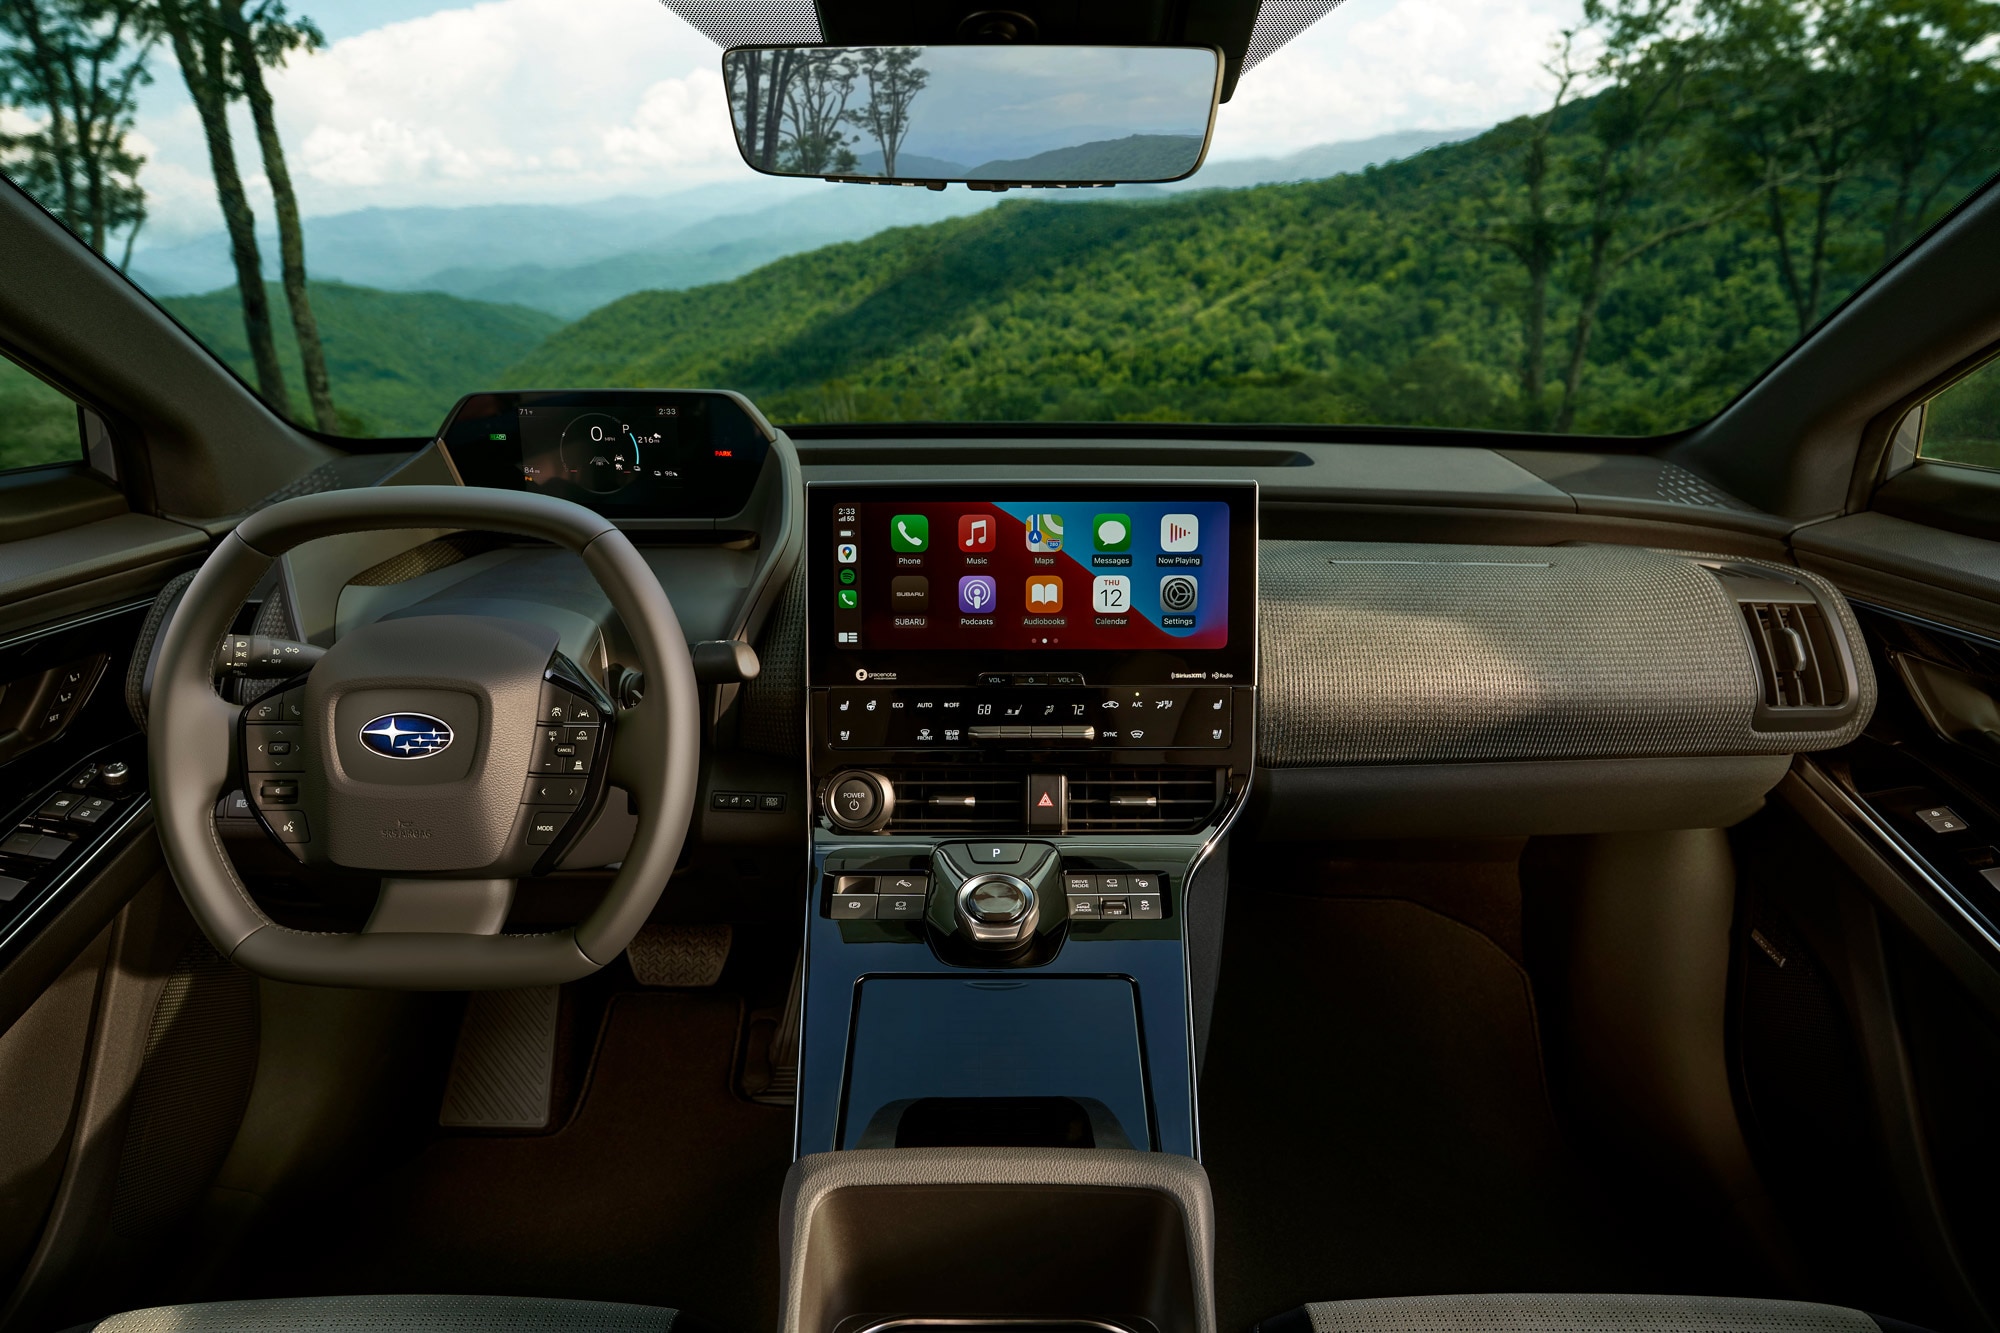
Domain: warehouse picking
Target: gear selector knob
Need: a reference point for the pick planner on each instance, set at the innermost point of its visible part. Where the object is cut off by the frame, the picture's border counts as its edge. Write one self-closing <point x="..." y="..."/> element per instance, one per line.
<point x="997" y="911"/>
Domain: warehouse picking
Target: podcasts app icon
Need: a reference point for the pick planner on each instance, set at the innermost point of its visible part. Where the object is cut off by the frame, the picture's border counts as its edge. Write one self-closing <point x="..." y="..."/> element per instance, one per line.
<point x="977" y="593"/>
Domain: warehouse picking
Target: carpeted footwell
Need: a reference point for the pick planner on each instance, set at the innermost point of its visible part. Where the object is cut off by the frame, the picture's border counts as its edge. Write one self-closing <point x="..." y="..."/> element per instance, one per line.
<point x="1375" y="1121"/>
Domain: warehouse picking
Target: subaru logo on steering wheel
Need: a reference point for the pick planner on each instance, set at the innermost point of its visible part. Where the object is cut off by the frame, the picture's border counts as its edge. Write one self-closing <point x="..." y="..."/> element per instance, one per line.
<point x="406" y="735"/>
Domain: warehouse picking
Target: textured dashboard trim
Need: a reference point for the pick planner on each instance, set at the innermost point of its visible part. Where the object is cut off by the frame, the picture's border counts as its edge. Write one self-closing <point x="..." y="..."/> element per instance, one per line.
<point x="1399" y="653"/>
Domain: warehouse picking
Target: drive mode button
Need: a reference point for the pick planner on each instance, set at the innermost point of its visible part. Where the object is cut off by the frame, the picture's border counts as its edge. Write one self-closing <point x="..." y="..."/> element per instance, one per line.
<point x="996" y="853"/>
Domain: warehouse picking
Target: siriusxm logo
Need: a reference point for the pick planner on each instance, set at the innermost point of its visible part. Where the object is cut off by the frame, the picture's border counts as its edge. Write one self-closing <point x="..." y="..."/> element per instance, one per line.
<point x="406" y="735"/>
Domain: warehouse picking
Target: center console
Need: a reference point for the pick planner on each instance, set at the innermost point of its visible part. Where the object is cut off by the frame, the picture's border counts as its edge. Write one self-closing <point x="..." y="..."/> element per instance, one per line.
<point x="1031" y="713"/>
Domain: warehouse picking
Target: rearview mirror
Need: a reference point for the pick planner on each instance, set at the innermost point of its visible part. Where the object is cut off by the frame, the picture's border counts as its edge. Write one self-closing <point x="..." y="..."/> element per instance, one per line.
<point x="992" y="117"/>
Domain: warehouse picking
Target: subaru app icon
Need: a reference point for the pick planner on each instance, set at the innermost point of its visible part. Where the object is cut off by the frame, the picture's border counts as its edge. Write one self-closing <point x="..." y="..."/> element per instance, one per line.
<point x="976" y="594"/>
<point x="407" y="735"/>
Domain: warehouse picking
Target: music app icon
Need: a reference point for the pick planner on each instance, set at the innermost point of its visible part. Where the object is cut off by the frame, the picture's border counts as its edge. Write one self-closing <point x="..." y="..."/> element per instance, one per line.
<point x="976" y="532"/>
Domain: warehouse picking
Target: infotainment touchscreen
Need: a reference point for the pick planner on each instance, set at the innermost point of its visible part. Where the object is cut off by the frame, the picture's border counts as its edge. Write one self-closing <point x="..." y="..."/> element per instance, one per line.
<point x="1121" y="577"/>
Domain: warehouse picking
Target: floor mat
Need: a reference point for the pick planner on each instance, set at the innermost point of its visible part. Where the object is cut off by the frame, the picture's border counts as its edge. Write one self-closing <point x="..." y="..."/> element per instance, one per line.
<point x="662" y="1190"/>
<point x="1374" y="1120"/>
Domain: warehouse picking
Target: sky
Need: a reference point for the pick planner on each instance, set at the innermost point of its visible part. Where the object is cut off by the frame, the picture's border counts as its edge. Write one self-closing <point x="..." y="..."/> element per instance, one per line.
<point x="554" y="101"/>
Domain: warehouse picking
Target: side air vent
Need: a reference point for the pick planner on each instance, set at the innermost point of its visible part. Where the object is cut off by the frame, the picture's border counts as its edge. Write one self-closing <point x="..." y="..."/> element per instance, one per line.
<point x="1797" y="662"/>
<point x="1138" y="800"/>
<point x="971" y="799"/>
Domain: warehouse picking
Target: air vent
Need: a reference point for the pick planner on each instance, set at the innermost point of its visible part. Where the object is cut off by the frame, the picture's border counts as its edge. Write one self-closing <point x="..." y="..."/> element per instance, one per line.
<point x="1796" y="658"/>
<point x="971" y="799"/>
<point x="1116" y="800"/>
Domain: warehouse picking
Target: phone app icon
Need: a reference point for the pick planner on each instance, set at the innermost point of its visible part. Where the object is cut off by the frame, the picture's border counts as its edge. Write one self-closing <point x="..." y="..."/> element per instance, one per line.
<point x="909" y="532"/>
<point x="1044" y="594"/>
<point x="977" y="593"/>
<point x="847" y="552"/>
<point x="1111" y="532"/>
<point x="849" y="599"/>
<point x="1111" y="594"/>
<point x="1178" y="593"/>
<point x="977" y="532"/>
<point x="1045" y="532"/>
<point x="1180" y="532"/>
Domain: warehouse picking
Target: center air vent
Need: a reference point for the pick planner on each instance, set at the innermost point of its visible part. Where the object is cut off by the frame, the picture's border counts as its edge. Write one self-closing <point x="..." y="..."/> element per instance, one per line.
<point x="969" y="799"/>
<point x="1142" y="800"/>
<point x="1797" y="663"/>
<point x="978" y="799"/>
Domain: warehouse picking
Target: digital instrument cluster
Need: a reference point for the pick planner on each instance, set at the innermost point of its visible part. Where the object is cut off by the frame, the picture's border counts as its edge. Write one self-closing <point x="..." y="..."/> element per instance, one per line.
<point x="626" y="454"/>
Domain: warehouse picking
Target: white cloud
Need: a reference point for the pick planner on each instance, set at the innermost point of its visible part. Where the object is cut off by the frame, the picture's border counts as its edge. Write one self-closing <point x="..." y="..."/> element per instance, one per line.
<point x="550" y="101"/>
<point x="511" y="100"/>
<point x="1373" y="66"/>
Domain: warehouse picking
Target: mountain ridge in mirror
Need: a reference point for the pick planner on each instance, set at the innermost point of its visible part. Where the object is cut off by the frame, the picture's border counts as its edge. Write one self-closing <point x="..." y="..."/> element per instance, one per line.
<point x="995" y="115"/>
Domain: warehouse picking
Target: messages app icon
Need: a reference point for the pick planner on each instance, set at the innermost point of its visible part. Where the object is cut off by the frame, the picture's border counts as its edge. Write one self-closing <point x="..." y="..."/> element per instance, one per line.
<point x="1111" y="532"/>
<point x="909" y="532"/>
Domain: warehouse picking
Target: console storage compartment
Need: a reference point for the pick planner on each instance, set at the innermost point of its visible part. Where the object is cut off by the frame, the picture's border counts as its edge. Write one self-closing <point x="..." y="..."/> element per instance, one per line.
<point x="993" y="1239"/>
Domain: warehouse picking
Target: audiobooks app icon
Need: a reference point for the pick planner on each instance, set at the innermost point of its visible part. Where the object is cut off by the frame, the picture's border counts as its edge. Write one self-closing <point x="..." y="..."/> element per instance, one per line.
<point x="1044" y="594"/>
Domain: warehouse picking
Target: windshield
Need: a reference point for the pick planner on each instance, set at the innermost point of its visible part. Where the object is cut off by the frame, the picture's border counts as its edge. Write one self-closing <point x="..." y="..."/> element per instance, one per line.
<point x="1534" y="215"/>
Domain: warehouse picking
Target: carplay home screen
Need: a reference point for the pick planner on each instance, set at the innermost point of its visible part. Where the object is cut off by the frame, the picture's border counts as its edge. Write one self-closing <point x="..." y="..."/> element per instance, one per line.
<point x="1133" y="575"/>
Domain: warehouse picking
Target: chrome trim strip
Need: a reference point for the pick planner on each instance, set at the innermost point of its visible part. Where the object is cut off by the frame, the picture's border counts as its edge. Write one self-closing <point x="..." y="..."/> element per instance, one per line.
<point x="1868" y="822"/>
<point x="75" y="622"/>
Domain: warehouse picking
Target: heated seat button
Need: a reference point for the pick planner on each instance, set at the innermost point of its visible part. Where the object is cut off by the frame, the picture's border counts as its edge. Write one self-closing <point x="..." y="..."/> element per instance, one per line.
<point x="1942" y="819"/>
<point x="90" y="810"/>
<point x="995" y="853"/>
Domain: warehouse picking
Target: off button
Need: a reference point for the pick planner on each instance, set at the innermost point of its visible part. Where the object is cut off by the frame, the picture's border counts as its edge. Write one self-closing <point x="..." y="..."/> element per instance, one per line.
<point x="854" y="801"/>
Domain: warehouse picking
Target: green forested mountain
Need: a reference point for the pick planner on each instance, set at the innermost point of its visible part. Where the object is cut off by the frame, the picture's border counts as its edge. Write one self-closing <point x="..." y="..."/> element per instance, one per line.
<point x="397" y="360"/>
<point x="1378" y="297"/>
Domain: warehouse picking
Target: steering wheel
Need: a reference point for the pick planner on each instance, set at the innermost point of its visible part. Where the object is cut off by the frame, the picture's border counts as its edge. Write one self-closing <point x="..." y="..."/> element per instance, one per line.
<point x="451" y="754"/>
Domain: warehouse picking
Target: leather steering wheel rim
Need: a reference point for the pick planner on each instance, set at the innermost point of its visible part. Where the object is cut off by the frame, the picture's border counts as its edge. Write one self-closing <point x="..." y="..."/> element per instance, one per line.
<point x="656" y="758"/>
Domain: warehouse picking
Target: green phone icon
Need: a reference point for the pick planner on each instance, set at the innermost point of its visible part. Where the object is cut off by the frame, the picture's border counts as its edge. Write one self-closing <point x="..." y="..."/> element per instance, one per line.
<point x="849" y="599"/>
<point x="1111" y="532"/>
<point x="909" y="532"/>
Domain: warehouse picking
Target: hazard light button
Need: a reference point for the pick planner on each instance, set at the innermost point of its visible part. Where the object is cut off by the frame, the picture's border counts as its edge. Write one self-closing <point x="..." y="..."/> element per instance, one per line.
<point x="1048" y="803"/>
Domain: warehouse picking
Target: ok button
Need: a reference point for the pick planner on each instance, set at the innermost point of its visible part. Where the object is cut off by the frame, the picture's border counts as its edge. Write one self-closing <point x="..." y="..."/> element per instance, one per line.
<point x="997" y="853"/>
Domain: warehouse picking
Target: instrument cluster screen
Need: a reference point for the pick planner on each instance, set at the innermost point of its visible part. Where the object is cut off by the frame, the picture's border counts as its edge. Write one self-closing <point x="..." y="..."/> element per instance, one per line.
<point x="624" y="454"/>
<point x="1032" y="574"/>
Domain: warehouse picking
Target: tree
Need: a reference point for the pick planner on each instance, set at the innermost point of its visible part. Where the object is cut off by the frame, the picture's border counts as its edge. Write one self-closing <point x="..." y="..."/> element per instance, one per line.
<point x="1524" y="222"/>
<point x="201" y="47"/>
<point x="894" y="79"/>
<point x="1931" y="76"/>
<point x="264" y="37"/>
<point x="759" y="81"/>
<point x="1791" y="125"/>
<point x="817" y="108"/>
<point x="80" y="64"/>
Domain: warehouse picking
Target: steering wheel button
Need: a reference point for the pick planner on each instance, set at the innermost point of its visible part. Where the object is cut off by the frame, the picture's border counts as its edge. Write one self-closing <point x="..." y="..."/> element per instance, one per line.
<point x="554" y="791"/>
<point x="544" y="825"/>
<point x="278" y="793"/>
<point x="265" y="710"/>
<point x="290" y="826"/>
